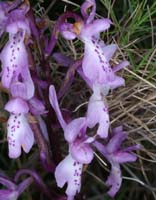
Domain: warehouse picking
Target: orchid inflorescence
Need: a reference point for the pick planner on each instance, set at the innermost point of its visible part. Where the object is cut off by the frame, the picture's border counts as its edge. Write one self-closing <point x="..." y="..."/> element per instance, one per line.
<point x="32" y="119"/>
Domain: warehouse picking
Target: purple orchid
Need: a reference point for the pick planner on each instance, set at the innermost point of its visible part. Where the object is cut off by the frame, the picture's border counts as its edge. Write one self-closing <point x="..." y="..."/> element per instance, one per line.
<point x="19" y="131"/>
<point x="115" y="155"/>
<point x="69" y="171"/>
<point x="96" y="61"/>
<point x="14" y="56"/>
<point x="74" y="132"/>
<point x="15" y="66"/>
<point x="13" y="191"/>
<point x="97" y="112"/>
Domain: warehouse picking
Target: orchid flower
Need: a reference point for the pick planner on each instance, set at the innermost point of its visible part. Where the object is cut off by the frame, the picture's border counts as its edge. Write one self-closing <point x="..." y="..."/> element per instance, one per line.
<point x="19" y="131"/>
<point x="97" y="112"/>
<point x="14" y="60"/>
<point x="13" y="191"/>
<point x="79" y="150"/>
<point x="14" y="56"/>
<point x="116" y="155"/>
<point x="96" y="61"/>
<point x="69" y="171"/>
<point x="74" y="132"/>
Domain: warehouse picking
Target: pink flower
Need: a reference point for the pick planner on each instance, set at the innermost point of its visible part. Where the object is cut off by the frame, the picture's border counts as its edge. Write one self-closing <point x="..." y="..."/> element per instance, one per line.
<point x="115" y="155"/>
<point x="69" y="171"/>
<point x="74" y="132"/>
<point x="12" y="191"/>
<point x="96" y="61"/>
<point x="14" y="56"/>
<point x="18" y="128"/>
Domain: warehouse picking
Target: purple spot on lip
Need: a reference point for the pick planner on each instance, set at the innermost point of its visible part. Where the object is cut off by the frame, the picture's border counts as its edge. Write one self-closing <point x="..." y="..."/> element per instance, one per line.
<point x="103" y="68"/>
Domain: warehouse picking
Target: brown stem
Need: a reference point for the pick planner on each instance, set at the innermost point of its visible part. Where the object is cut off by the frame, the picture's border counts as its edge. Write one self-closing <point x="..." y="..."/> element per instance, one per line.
<point x="45" y="153"/>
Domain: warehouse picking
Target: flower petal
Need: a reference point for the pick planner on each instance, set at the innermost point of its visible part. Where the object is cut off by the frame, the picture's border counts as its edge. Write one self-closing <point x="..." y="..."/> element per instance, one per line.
<point x="84" y="10"/>
<point x="16" y="62"/>
<point x="109" y="51"/>
<point x="18" y="89"/>
<point x="8" y="194"/>
<point x="132" y="148"/>
<point x="116" y="141"/>
<point x="81" y="152"/>
<point x="101" y="148"/>
<point x="19" y="134"/>
<point x="80" y="71"/>
<point x="117" y="82"/>
<point x="120" y="66"/>
<point x="114" y="180"/>
<point x="95" y="64"/>
<point x="29" y="85"/>
<point x="17" y="105"/>
<point x="23" y="90"/>
<point x="36" y="106"/>
<point x="28" y="139"/>
<point x="14" y="27"/>
<point x="98" y="113"/>
<point x="123" y="157"/>
<point x="69" y="171"/>
<point x="67" y="31"/>
<point x="55" y="105"/>
<point x="73" y="129"/>
<point x="43" y="128"/>
<point x="94" y="28"/>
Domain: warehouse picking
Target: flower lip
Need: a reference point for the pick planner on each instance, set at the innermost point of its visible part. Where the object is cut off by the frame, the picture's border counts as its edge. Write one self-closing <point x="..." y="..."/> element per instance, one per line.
<point x="69" y="171"/>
